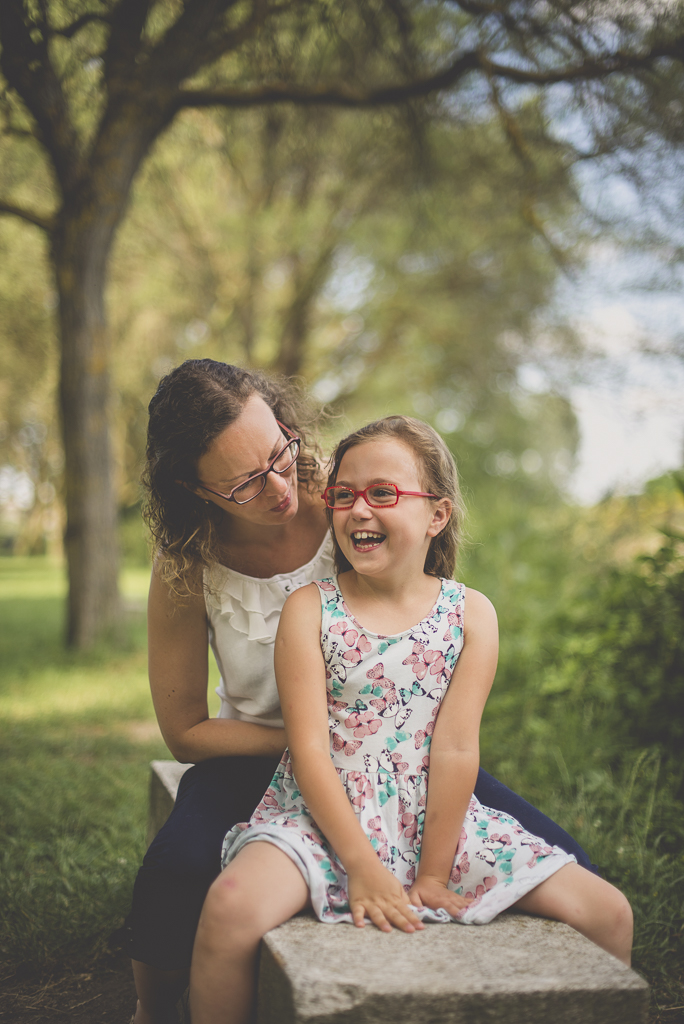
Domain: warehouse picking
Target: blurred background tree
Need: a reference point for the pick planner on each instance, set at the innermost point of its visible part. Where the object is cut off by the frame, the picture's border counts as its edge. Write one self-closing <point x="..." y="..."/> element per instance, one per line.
<point x="445" y="95"/>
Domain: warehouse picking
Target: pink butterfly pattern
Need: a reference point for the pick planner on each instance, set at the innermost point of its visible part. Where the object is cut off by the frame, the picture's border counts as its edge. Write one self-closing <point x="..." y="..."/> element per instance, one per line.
<point x="383" y="698"/>
<point x="348" y="746"/>
<point x="363" y="723"/>
<point x="423" y="661"/>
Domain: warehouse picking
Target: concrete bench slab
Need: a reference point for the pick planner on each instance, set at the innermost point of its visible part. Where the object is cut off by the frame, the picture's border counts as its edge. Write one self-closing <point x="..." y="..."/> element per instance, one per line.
<point x="516" y="970"/>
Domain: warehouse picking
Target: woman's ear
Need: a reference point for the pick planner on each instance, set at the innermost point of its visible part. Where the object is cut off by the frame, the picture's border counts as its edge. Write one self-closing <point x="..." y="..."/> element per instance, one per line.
<point x="193" y="490"/>
<point x="441" y="514"/>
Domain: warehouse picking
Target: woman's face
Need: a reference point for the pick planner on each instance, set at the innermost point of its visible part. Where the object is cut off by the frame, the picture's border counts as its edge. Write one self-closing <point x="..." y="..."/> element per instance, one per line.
<point x="241" y="450"/>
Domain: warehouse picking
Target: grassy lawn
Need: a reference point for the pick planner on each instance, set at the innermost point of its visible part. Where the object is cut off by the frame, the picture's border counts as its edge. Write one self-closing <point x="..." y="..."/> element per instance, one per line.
<point x="77" y="733"/>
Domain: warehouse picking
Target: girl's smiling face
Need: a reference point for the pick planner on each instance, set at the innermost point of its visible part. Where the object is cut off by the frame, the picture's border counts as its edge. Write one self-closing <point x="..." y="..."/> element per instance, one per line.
<point x="392" y="539"/>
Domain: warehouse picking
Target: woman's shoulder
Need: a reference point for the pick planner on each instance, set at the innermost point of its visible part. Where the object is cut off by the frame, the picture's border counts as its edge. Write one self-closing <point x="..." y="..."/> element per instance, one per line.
<point x="171" y="598"/>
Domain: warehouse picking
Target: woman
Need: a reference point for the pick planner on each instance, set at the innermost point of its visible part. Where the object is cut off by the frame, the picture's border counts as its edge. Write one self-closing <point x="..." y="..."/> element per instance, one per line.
<point x="234" y="508"/>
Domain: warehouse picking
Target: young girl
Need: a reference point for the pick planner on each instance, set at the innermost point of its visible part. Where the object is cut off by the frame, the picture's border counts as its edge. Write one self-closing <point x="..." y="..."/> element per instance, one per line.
<point x="383" y="674"/>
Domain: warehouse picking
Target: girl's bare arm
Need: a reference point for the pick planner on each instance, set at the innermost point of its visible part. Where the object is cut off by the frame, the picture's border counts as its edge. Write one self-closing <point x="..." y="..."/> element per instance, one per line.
<point x="178" y="646"/>
<point x="455" y="754"/>
<point x="300" y="673"/>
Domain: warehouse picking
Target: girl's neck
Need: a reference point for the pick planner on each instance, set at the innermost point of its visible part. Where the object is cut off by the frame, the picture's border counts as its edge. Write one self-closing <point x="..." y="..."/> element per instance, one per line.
<point x="389" y="606"/>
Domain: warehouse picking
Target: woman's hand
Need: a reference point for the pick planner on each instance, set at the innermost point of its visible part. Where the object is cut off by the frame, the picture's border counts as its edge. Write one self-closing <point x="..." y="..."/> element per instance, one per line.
<point x="374" y="892"/>
<point x="433" y="893"/>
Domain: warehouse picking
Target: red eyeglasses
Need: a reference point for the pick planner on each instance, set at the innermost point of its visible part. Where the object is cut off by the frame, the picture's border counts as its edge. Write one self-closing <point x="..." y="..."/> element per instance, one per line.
<point x="376" y="495"/>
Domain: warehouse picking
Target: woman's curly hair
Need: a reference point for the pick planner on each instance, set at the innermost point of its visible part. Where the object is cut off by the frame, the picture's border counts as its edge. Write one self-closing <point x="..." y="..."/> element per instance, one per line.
<point x="192" y="405"/>
<point x="438" y="475"/>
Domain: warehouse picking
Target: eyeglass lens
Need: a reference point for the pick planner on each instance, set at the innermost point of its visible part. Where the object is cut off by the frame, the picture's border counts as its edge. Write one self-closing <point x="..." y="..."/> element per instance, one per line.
<point x="379" y="494"/>
<point x="251" y="488"/>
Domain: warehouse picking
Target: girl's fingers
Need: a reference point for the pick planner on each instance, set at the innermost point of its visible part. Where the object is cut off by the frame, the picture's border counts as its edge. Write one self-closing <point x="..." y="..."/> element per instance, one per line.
<point x="359" y="915"/>
<point x="457" y="903"/>
<point x="400" y="920"/>
<point x="378" y="918"/>
<point x="411" y="916"/>
<point x="399" y="915"/>
<point x="440" y="897"/>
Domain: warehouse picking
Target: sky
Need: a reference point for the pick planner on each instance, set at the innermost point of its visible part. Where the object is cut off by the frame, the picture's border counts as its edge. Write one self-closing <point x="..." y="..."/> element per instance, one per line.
<point x="628" y="300"/>
<point x="629" y="404"/>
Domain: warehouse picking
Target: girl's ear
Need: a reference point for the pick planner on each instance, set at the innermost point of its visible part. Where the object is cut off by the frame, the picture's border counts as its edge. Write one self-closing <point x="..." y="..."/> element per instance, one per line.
<point x="441" y="514"/>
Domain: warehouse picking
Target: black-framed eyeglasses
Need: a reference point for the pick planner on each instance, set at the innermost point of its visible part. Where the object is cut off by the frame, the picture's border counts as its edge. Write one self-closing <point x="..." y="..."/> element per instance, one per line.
<point x="254" y="485"/>
<point x="377" y="495"/>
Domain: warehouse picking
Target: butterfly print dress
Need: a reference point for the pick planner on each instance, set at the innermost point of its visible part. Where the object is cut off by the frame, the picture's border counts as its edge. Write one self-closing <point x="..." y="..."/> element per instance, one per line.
<point x="384" y="693"/>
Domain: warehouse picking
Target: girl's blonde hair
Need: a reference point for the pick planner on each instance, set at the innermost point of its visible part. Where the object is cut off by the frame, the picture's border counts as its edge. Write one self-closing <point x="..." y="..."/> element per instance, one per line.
<point x="438" y="475"/>
<point x="192" y="405"/>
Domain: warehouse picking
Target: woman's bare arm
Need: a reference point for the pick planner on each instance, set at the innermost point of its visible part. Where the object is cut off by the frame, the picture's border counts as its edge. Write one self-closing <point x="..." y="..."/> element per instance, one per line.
<point x="178" y="645"/>
<point x="300" y="674"/>
<point x="455" y="754"/>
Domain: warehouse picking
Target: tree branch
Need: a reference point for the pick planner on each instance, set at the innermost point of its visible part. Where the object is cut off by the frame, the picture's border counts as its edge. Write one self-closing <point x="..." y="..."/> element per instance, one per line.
<point x="124" y="45"/>
<point x="512" y="131"/>
<point x="27" y="68"/>
<point x="46" y="223"/>
<point x="529" y="215"/>
<point x="231" y="40"/>
<point x="597" y="67"/>
<point x="474" y="60"/>
<point x="19" y="133"/>
<point x="85" y="19"/>
<point x="343" y="96"/>
<point x="195" y="40"/>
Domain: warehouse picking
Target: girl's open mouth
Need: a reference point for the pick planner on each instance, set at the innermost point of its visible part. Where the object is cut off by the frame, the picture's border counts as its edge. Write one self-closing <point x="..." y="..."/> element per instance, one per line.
<point x="365" y="540"/>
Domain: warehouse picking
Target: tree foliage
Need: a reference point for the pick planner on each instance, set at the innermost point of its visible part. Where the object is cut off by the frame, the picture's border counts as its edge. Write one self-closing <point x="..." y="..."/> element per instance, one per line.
<point x="90" y="85"/>
<point x="622" y="648"/>
<point x="591" y="637"/>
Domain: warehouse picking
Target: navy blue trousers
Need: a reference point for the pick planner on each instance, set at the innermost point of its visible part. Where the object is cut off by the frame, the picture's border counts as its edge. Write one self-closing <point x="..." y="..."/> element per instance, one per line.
<point x="184" y="859"/>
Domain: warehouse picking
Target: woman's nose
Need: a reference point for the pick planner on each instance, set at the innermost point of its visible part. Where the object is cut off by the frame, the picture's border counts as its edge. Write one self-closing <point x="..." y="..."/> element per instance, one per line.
<point x="277" y="484"/>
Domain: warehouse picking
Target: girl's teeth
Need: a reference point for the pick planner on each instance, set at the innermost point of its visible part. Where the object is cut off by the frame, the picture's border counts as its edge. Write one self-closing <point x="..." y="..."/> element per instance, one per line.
<point x="367" y="536"/>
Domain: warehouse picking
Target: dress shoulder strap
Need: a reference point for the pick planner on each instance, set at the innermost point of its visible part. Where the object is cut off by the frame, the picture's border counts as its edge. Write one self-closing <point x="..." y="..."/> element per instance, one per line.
<point x="331" y="601"/>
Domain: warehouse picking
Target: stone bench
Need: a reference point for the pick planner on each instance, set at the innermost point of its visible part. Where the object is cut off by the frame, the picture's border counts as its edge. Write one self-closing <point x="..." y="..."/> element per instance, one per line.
<point x="516" y="970"/>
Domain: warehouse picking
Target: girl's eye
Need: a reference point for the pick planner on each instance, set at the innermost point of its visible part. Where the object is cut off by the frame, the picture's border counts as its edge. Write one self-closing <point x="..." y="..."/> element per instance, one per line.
<point x="342" y="496"/>
<point x="382" y="494"/>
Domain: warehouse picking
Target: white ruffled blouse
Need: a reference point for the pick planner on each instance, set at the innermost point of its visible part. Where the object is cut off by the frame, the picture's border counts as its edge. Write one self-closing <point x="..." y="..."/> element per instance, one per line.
<point x="243" y="613"/>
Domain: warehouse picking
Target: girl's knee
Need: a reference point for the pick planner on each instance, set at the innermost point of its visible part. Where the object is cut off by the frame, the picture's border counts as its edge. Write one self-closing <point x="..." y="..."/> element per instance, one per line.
<point x="621" y="914"/>
<point x="230" y="912"/>
<point x="225" y="899"/>
<point x="607" y="911"/>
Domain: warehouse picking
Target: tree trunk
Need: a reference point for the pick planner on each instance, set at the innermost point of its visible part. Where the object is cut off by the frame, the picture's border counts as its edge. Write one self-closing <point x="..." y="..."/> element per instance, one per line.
<point x="81" y="246"/>
<point x="80" y="252"/>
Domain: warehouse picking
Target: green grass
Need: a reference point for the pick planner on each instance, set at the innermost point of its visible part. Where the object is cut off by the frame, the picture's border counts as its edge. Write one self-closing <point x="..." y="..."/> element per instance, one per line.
<point x="77" y="732"/>
<point x="625" y="811"/>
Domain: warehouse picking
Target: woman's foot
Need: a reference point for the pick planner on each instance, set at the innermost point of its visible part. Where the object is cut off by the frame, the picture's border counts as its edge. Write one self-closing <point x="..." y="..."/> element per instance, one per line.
<point x="159" y="995"/>
<point x="169" y="1015"/>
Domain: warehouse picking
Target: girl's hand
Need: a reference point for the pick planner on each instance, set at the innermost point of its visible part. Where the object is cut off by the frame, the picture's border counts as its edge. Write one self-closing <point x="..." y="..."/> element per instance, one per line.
<point x="433" y="893"/>
<point x="374" y="892"/>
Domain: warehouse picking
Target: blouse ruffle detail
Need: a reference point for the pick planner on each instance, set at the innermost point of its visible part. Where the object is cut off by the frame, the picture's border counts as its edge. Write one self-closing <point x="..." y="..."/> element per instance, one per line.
<point x="253" y="606"/>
